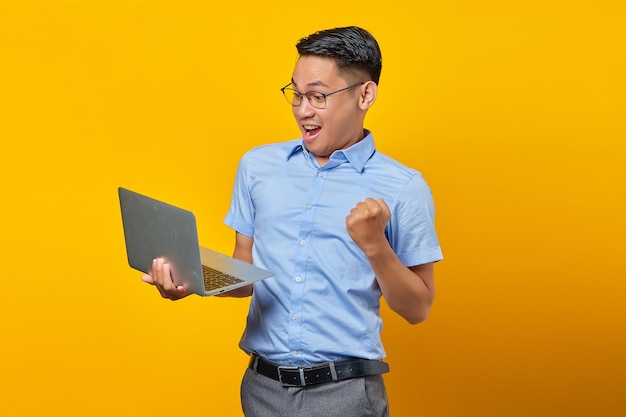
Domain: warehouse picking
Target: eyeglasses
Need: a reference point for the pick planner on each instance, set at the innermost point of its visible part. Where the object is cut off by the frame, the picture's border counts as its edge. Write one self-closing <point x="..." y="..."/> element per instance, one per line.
<point x="316" y="99"/>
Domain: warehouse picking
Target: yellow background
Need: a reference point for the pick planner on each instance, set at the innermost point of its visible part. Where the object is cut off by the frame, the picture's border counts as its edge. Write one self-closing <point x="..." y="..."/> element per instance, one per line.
<point x="513" y="111"/>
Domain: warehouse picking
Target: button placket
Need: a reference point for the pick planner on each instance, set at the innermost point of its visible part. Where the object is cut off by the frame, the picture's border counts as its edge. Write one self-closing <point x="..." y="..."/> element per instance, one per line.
<point x="300" y="270"/>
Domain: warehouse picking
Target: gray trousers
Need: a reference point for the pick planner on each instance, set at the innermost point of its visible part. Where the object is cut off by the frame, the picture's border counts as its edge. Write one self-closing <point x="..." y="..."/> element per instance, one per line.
<point x="359" y="397"/>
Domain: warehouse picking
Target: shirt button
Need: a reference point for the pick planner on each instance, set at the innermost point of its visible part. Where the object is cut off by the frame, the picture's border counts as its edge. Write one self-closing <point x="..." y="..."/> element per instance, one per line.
<point x="294" y="316"/>
<point x="309" y="207"/>
<point x="319" y="174"/>
<point x="298" y="279"/>
<point x="302" y="242"/>
<point x="294" y="352"/>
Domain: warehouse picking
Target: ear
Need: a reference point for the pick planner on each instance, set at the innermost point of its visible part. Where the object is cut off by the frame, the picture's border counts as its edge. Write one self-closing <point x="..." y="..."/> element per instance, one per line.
<point x="368" y="92"/>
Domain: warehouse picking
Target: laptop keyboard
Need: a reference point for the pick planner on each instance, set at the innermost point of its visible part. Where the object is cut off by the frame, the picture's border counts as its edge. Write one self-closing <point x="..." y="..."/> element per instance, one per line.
<point x="215" y="279"/>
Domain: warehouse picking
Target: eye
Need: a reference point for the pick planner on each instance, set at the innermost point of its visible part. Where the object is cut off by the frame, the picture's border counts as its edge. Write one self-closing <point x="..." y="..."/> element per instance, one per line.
<point x="317" y="98"/>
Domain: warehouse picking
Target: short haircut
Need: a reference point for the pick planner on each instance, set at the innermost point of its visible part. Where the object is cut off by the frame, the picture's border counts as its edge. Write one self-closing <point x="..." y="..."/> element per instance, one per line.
<point x="352" y="48"/>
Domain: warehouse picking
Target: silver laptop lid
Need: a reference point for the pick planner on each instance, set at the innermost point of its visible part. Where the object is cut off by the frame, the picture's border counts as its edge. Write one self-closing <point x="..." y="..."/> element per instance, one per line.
<point x="154" y="229"/>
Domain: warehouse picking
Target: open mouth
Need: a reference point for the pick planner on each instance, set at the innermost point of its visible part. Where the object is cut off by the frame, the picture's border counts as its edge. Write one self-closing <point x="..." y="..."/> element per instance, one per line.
<point x="310" y="131"/>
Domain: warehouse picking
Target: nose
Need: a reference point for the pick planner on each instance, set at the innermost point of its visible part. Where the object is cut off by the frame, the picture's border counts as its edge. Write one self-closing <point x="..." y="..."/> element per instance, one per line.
<point x="304" y="110"/>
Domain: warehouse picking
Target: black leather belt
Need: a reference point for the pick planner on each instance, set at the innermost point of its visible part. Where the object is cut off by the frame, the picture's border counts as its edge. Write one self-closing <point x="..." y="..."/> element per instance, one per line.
<point x="302" y="376"/>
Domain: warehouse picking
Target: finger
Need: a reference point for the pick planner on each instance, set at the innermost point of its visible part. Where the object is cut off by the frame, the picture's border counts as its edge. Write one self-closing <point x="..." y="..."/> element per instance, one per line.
<point x="157" y="265"/>
<point x="363" y="208"/>
<point x="161" y="275"/>
<point x="166" y="272"/>
<point x="169" y="289"/>
<point x="371" y="207"/>
<point x="147" y="278"/>
<point x="385" y="207"/>
<point x="162" y="284"/>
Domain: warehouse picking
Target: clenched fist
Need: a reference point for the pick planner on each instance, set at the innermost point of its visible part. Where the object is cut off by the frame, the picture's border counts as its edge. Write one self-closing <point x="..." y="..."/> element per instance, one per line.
<point x="366" y="224"/>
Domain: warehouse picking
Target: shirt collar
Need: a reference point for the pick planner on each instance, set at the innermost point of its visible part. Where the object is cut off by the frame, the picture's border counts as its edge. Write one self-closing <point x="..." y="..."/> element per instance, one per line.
<point x="357" y="155"/>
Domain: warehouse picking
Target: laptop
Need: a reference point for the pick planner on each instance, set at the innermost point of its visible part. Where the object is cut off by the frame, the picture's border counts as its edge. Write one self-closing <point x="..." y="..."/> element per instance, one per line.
<point x="154" y="229"/>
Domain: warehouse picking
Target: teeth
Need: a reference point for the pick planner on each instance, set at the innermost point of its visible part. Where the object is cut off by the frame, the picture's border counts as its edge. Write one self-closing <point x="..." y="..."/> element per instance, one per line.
<point x="310" y="127"/>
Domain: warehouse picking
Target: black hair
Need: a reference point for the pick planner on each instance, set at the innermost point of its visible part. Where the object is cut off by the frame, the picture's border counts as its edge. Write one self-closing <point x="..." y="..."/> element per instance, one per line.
<point x="351" y="47"/>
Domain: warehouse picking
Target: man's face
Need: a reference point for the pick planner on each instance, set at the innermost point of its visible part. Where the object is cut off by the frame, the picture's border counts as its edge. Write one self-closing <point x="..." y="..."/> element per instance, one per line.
<point x="340" y="124"/>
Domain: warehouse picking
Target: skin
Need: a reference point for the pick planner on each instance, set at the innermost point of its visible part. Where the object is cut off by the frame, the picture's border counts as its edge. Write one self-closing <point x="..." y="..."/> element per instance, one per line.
<point x="408" y="291"/>
<point x="340" y="124"/>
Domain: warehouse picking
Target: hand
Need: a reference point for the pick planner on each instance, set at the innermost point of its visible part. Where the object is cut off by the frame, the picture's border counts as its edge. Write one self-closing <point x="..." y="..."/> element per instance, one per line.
<point x="366" y="224"/>
<point x="161" y="277"/>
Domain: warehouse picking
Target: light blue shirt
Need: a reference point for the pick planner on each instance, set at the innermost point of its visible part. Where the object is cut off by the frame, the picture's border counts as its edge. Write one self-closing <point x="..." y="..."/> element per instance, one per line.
<point x="324" y="302"/>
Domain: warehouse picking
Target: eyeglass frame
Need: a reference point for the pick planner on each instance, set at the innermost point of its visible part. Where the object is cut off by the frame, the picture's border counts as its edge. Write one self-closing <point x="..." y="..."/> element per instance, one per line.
<point x="302" y="95"/>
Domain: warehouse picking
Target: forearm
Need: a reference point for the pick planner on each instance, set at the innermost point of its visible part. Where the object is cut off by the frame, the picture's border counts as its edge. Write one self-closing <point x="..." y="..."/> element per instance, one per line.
<point x="408" y="291"/>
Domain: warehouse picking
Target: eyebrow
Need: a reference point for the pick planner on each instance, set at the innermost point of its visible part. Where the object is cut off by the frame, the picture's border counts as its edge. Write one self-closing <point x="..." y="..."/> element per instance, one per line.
<point x="317" y="83"/>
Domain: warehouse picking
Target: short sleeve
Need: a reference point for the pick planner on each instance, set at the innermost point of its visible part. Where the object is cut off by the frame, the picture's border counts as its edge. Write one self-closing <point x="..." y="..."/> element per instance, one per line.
<point x="411" y="230"/>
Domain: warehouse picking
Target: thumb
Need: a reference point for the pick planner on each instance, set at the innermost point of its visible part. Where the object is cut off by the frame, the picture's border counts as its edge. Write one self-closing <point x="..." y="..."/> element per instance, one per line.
<point x="147" y="278"/>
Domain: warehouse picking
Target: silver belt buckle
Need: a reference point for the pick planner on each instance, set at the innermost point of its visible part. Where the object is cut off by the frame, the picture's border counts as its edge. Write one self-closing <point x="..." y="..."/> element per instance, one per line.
<point x="291" y="368"/>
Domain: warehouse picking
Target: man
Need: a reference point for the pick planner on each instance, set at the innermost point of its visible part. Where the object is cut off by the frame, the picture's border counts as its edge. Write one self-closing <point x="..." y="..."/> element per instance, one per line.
<point x="340" y="224"/>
